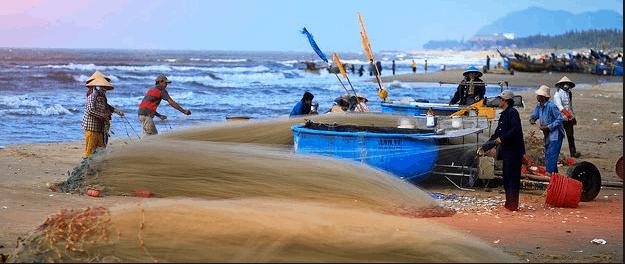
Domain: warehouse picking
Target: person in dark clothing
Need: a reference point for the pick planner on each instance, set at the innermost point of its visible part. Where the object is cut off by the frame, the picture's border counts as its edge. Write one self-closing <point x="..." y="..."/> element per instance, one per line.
<point x="393" y="68"/>
<point x="487" y="63"/>
<point x="425" y="68"/>
<point x="378" y="65"/>
<point x="361" y="70"/>
<point x="509" y="137"/>
<point x="303" y="107"/>
<point x="471" y="89"/>
<point x="352" y="68"/>
<point x="371" y="69"/>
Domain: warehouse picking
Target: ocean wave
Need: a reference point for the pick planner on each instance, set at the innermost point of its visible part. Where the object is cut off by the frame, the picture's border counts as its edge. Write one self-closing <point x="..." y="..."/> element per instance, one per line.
<point x="18" y="101"/>
<point x="288" y="63"/>
<point x="260" y="68"/>
<point x="220" y="60"/>
<point x="93" y="67"/>
<point x="55" y="109"/>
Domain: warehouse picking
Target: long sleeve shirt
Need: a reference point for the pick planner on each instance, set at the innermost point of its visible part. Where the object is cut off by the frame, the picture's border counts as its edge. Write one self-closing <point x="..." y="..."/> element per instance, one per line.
<point x="300" y="109"/>
<point x="96" y="112"/>
<point x="562" y="99"/>
<point x="510" y="132"/>
<point x="549" y="116"/>
<point x="464" y="95"/>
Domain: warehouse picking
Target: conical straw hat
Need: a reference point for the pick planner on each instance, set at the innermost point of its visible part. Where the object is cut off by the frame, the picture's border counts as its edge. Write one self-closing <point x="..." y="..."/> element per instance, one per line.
<point x="544" y="90"/>
<point x="564" y="80"/>
<point x="101" y="82"/>
<point x="97" y="74"/>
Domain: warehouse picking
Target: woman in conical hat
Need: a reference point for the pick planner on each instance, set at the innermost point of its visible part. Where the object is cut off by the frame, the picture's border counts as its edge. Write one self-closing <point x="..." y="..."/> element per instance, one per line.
<point x="95" y="75"/>
<point x="563" y="99"/>
<point x="565" y="82"/>
<point x="97" y="115"/>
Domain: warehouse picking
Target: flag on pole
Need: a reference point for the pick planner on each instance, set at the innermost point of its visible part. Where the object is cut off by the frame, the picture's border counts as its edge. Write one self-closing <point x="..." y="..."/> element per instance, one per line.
<point x="366" y="46"/>
<point x="313" y="44"/>
<point x="338" y="63"/>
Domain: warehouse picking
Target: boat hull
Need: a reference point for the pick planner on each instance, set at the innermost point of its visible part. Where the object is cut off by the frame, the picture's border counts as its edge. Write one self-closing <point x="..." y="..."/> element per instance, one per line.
<point x="404" y="155"/>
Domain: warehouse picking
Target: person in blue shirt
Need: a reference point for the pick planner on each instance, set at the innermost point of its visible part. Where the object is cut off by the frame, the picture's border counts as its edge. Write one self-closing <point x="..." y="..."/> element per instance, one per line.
<point x="551" y="125"/>
<point x="509" y="137"/>
<point x="303" y="107"/>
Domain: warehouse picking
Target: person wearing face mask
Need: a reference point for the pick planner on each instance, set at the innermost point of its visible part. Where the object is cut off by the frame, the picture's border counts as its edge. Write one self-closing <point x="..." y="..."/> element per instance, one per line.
<point x="97" y="115"/>
<point x="551" y="125"/>
<point x="509" y="137"/>
<point x="563" y="99"/>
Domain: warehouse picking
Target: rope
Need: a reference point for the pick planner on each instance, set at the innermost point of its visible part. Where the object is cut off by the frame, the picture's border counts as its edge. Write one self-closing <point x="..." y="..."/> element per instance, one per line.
<point x="133" y="129"/>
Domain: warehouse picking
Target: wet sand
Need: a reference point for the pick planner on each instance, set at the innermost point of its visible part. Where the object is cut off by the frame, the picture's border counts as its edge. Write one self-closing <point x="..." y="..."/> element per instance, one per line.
<point x="545" y="235"/>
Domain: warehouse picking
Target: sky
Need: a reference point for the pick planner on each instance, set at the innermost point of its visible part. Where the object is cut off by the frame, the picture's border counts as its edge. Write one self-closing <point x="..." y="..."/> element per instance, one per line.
<point x="268" y="25"/>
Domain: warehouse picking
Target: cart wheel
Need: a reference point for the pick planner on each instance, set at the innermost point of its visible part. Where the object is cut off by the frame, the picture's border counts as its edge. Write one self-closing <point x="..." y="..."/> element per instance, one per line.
<point x="590" y="177"/>
<point x="469" y="160"/>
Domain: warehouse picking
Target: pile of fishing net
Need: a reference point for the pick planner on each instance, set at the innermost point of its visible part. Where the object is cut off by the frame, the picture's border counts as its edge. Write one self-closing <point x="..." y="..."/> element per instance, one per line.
<point x="249" y="198"/>
<point x="245" y="230"/>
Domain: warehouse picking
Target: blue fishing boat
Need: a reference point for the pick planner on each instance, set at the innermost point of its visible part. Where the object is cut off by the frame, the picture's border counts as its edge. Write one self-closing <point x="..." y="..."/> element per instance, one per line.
<point x="407" y="153"/>
<point x="416" y="108"/>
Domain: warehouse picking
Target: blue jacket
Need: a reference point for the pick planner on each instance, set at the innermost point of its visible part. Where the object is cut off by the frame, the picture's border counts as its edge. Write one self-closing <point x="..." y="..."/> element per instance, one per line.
<point x="510" y="132"/>
<point x="549" y="115"/>
<point x="300" y="109"/>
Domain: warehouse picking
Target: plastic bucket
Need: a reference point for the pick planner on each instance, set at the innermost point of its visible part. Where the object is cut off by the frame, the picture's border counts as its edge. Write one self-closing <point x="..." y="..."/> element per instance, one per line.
<point x="563" y="192"/>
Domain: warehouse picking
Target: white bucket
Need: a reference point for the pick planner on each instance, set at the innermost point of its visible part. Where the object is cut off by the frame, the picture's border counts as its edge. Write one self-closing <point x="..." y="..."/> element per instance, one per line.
<point x="456" y="122"/>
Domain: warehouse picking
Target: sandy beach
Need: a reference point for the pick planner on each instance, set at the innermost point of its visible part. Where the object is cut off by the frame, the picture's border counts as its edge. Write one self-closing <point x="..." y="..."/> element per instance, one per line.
<point x="535" y="233"/>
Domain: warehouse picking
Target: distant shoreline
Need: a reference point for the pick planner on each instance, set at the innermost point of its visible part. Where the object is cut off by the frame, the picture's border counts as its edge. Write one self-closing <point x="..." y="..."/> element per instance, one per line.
<point x="525" y="79"/>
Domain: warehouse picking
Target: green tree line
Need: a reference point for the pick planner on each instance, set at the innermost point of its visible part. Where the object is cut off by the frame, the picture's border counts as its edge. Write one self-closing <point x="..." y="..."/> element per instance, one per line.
<point x="597" y="39"/>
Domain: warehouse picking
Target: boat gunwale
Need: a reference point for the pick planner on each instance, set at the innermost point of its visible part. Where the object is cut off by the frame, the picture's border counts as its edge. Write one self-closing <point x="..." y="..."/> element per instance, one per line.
<point x="302" y="128"/>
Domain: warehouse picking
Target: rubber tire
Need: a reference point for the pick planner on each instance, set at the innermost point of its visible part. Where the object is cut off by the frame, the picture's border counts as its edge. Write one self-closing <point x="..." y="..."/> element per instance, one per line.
<point x="590" y="177"/>
<point x="469" y="159"/>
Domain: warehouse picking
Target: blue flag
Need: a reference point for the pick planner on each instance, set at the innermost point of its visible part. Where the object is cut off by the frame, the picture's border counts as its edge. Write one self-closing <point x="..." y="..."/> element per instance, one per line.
<point x="313" y="44"/>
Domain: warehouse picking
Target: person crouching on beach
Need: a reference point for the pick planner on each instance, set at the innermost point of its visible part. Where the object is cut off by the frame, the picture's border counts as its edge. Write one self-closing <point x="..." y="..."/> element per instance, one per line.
<point x="304" y="106"/>
<point x="97" y="116"/>
<point x="509" y="137"/>
<point x="151" y="100"/>
<point x="551" y="125"/>
<point x="362" y="104"/>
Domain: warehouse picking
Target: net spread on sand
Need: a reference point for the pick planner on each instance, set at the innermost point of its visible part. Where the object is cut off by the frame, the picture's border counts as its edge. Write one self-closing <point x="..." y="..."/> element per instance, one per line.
<point x="251" y="230"/>
<point x="251" y="199"/>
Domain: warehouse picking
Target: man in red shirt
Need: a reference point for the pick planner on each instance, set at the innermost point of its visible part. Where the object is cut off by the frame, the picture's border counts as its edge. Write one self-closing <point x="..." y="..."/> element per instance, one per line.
<point x="153" y="97"/>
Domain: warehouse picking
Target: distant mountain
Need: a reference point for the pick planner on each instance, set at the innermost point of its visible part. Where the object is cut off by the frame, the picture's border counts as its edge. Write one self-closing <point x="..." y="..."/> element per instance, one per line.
<point x="536" y="20"/>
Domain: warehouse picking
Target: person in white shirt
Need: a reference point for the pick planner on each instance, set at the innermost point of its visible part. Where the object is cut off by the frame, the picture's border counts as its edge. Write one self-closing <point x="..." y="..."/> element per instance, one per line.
<point x="362" y="104"/>
<point x="563" y="99"/>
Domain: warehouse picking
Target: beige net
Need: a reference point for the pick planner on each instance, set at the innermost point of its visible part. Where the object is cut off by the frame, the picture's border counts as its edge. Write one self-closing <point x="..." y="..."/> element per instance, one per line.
<point x="169" y="168"/>
<point x="254" y="230"/>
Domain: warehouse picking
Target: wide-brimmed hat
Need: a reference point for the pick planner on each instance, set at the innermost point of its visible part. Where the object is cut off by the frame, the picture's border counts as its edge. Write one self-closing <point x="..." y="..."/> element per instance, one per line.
<point x="564" y="81"/>
<point x="506" y="95"/>
<point x="362" y="96"/>
<point x="544" y="90"/>
<point x="100" y="82"/>
<point x="472" y="69"/>
<point x="97" y="74"/>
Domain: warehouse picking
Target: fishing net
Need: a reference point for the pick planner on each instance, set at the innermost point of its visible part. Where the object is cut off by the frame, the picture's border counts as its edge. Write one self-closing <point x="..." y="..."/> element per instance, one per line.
<point x="169" y="168"/>
<point x="246" y="230"/>
<point x="276" y="131"/>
